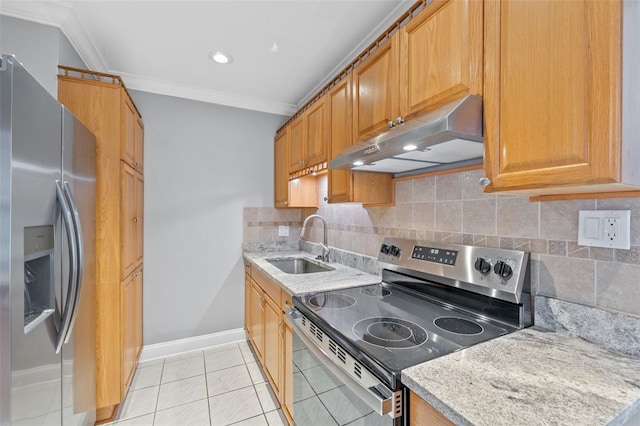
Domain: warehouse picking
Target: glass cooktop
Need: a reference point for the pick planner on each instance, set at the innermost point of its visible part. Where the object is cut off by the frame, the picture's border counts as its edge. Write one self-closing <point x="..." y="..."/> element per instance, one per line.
<point x="395" y="327"/>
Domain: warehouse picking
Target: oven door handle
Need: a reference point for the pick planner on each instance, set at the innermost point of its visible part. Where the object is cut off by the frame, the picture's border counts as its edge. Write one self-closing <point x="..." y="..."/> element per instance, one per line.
<point x="379" y="397"/>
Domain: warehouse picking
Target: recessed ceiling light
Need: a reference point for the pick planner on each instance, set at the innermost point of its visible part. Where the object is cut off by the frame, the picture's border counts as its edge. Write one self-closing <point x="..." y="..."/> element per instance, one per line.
<point x="409" y="147"/>
<point x="220" y="57"/>
<point x="358" y="163"/>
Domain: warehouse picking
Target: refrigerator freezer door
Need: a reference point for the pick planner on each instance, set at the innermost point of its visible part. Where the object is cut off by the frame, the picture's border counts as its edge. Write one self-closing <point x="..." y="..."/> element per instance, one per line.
<point x="78" y="352"/>
<point x="34" y="145"/>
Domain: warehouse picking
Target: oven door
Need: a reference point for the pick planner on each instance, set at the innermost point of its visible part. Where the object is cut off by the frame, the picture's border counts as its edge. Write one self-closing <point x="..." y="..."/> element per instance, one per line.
<point x="331" y="388"/>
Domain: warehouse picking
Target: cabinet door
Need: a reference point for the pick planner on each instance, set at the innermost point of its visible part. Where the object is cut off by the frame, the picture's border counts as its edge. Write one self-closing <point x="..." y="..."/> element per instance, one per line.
<point x="257" y="319"/>
<point x="287" y="365"/>
<point x="272" y="342"/>
<point x="127" y="219"/>
<point x="139" y="145"/>
<point x="247" y="305"/>
<point x="137" y="318"/>
<point x="139" y="218"/>
<point x="552" y="93"/>
<point x="340" y="137"/>
<point x="317" y="117"/>
<point x="441" y="50"/>
<point x="127" y="318"/>
<point x="281" y="170"/>
<point x="375" y="91"/>
<point x="129" y="123"/>
<point x="297" y="144"/>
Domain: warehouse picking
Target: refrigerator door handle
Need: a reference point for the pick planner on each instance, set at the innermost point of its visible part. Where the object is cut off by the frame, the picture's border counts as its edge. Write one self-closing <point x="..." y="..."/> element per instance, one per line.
<point x="73" y="257"/>
<point x="79" y="257"/>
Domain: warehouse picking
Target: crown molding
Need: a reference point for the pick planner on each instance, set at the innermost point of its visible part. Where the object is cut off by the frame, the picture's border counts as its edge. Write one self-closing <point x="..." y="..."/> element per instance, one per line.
<point x="360" y="47"/>
<point x="163" y="87"/>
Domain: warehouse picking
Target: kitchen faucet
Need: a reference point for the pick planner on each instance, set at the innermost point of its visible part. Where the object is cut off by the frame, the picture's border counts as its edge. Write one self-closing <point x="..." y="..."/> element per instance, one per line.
<point x="325" y="247"/>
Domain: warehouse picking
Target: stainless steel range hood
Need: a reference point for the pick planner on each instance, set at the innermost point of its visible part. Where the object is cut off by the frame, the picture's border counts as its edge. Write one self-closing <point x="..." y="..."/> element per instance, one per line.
<point x="448" y="137"/>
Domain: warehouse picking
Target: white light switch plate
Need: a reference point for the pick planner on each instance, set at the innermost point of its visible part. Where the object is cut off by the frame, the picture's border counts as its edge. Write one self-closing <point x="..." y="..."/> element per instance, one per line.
<point x="605" y="228"/>
<point x="283" y="231"/>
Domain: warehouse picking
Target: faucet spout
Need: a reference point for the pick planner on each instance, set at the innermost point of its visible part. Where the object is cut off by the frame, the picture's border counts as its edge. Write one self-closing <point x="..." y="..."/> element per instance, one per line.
<point x="325" y="226"/>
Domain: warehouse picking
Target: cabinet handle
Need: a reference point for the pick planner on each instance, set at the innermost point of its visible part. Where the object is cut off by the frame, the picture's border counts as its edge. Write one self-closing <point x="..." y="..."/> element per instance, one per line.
<point x="326" y="199"/>
<point x="391" y="124"/>
<point x="399" y="120"/>
<point x="485" y="181"/>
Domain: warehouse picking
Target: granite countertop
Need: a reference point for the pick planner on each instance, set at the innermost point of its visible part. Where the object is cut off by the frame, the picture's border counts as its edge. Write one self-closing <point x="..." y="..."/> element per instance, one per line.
<point x="532" y="376"/>
<point x="341" y="277"/>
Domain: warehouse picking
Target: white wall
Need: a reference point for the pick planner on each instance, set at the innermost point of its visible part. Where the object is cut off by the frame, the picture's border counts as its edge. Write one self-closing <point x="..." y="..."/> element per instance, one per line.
<point x="40" y="48"/>
<point x="203" y="164"/>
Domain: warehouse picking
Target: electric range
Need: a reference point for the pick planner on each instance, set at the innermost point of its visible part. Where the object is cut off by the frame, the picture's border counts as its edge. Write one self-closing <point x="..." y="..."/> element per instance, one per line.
<point x="435" y="298"/>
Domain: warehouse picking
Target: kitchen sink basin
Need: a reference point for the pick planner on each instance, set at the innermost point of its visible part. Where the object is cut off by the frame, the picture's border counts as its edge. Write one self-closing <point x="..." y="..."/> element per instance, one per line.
<point x="299" y="265"/>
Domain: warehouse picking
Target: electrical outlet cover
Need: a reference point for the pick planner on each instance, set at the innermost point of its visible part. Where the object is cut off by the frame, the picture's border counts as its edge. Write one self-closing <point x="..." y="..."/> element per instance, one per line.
<point x="605" y="228"/>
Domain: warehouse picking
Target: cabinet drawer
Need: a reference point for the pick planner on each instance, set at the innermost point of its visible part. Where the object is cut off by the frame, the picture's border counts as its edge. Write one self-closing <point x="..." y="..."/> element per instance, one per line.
<point x="270" y="288"/>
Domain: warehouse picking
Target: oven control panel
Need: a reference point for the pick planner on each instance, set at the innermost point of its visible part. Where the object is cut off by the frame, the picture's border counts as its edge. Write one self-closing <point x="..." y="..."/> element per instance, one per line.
<point x="492" y="271"/>
<point x="433" y="254"/>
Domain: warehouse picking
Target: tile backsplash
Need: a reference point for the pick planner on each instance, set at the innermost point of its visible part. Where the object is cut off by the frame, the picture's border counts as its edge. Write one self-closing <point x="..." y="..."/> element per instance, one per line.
<point x="454" y="208"/>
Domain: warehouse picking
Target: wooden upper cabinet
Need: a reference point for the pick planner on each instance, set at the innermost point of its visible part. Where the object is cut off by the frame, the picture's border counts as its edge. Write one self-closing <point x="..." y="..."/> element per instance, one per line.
<point x="309" y="137"/>
<point x="340" y="137"/>
<point x="375" y="91"/>
<point x="552" y="95"/>
<point x="297" y="144"/>
<point x="441" y="55"/>
<point x="281" y="170"/>
<point x="132" y="134"/>
<point x="317" y="117"/>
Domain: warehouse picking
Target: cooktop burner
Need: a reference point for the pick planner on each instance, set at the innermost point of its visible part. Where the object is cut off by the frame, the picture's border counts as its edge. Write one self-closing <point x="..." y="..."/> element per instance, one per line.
<point x="332" y="301"/>
<point x="390" y="332"/>
<point x="375" y="291"/>
<point x="458" y="325"/>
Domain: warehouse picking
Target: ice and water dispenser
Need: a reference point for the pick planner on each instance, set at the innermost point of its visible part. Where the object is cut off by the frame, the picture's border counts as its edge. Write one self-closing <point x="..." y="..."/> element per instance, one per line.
<point x="39" y="283"/>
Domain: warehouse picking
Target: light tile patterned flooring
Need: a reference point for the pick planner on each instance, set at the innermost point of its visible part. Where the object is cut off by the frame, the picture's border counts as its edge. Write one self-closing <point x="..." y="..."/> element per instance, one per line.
<point x="220" y="386"/>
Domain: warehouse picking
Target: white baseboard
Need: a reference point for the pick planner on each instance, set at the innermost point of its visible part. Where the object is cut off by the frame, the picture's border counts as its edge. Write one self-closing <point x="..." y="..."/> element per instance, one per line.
<point x="175" y="347"/>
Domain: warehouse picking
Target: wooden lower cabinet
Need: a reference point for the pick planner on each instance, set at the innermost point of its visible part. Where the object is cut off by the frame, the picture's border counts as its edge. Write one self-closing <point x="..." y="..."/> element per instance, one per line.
<point x="131" y="319"/>
<point x="272" y="342"/>
<point x="421" y="413"/>
<point x="269" y="333"/>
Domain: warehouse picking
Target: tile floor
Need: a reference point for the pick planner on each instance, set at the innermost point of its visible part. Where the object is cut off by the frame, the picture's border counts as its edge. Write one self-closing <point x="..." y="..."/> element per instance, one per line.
<point x="219" y="386"/>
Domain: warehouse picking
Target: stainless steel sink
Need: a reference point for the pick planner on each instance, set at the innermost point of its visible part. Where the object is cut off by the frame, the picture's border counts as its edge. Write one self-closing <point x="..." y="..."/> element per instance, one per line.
<point x="299" y="265"/>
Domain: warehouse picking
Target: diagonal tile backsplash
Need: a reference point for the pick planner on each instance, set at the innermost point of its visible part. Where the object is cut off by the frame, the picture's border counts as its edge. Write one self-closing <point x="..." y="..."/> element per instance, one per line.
<point x="453" y="208"/>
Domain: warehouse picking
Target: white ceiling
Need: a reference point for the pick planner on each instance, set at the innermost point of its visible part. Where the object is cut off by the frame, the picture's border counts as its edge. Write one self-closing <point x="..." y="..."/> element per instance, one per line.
<point x="161" y="46"/>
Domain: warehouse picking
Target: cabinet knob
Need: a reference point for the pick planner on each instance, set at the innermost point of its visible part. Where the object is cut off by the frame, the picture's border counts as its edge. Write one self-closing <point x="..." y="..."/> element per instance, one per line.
<point x="391" y="124"/>
<point x="135" y="219"/>
<point x="286" y="203"/>
<point x="399" y="120"/>
<point x="485" y="181"/>
<point x="326" y="199"/>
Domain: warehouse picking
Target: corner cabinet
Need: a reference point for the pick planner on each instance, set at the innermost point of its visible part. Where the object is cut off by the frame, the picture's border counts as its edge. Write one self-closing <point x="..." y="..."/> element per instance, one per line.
<point x="269" y="334"/>
<point x="553" y="98"/>
<point x="103" y="104"/>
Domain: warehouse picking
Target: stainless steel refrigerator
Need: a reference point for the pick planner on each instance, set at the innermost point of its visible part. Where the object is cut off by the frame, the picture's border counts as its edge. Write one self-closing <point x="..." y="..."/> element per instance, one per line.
<point x="47" y="262"/>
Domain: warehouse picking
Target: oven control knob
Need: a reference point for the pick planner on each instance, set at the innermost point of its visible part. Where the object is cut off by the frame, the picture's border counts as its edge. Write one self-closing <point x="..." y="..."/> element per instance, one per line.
<point x="482" y="266"/>
<point x="384" y="249"/>
<point x="503" y="270"/>
<point x="395" y="251"/>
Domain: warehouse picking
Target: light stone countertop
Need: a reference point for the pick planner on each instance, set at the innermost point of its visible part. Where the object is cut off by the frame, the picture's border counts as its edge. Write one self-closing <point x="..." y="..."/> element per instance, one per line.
<point x="534" y="377"/>
<point x="342" y="277"/>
